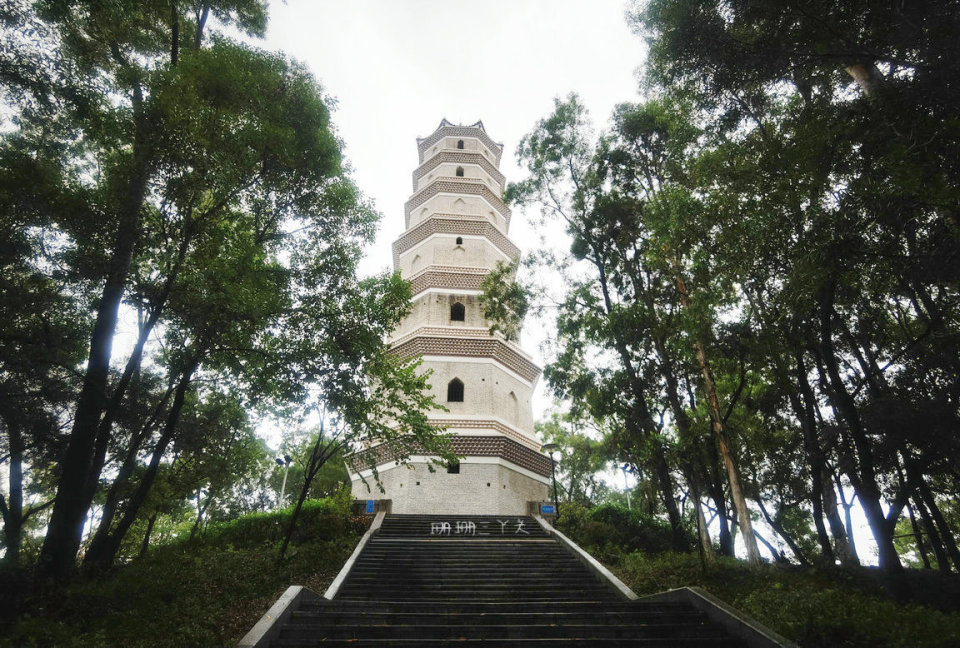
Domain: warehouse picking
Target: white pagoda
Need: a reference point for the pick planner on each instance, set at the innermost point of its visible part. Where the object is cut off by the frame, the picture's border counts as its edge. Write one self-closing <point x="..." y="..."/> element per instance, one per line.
<point x="456" y="232"/>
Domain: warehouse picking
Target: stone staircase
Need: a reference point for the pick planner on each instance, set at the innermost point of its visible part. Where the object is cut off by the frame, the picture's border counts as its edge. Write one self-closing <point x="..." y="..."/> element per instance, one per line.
<point x="499" y="581"/>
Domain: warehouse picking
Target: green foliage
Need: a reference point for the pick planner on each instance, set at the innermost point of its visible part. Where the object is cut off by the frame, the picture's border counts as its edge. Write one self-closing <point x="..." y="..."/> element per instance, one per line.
<point x="783" y="202"/>
<point x="320" y="520"/>
<point x="581" y="458"/>
<point x="204" y="592"/>
<point x="154" y="169"/>
<point x="813" y="607"/>
<point x="613" y="530"/>
<point x="505" y="302"/>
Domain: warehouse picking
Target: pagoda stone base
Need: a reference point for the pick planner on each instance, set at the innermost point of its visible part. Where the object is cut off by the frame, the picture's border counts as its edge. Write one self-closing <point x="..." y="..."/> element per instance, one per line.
<point x="484" y="486"/>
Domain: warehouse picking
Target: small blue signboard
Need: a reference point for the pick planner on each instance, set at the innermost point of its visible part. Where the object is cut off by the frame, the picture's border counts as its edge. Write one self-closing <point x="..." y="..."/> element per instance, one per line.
<point x="547" y="509"/>
<point x="369" y="506"/>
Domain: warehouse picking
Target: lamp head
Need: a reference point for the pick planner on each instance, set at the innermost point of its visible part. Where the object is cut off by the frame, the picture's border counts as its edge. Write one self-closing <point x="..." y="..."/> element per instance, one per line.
<point x="550" y="448"/>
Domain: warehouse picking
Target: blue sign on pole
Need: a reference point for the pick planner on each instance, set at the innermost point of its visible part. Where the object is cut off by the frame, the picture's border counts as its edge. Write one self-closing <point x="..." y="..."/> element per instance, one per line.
<point x="369" y="506"/>
<point x="547" y="509"/>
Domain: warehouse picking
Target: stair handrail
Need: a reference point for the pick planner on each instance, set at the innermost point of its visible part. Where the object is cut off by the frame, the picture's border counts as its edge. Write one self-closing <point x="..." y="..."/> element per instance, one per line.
<point x="591" y="563"/>
<point x="268" y="627"/>
<point x="347" y="566"/>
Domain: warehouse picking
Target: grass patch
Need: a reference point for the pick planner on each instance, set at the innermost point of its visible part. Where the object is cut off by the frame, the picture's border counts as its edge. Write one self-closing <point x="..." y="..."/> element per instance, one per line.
<point x="206" y="592"/>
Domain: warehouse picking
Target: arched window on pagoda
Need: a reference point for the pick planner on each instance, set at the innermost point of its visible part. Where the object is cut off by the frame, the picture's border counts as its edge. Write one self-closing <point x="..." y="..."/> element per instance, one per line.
<point x="459" y="144"/>
<point x="455" y="391"/>
<point x="459" y="172"/>
<point x="457" y="312"/>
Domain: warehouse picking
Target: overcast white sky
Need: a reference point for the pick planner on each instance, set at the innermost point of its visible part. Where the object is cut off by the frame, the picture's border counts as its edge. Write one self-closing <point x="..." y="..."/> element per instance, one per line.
<point x="397" y="67"/>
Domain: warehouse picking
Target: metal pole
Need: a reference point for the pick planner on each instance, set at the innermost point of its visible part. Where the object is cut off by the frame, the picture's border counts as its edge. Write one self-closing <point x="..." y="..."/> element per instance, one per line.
<point x="283" y="488"/>
<point x="626" y="486"/>
<point x="553" y="472"/>
<point x="551" y="448"/>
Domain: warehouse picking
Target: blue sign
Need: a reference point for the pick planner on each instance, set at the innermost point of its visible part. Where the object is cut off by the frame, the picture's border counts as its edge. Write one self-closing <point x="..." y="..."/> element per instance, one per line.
<point x="547" y="509"/>
<point x="369" y="506"/>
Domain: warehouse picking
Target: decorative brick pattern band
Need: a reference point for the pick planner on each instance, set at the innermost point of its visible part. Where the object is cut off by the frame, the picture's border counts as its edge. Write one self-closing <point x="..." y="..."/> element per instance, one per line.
<point x="469" y="217"/>
<point x="456" y="187"/>
<point x="493" y="348"/>
<point x="445" y="331"/>
<point x="457" y="157"/>
<point x="488" y="424"/>
<point x="467" y="446"/>
<point x="453" y="225"/>
<point x="457" y="279"/>
<point x="449" y="130"/>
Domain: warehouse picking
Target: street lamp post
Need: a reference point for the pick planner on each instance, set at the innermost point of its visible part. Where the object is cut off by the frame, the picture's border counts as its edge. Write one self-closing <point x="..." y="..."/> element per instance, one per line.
<point x="551" y="448"/>
<point x="285" y="461"/>
<point x="625" y="468"/>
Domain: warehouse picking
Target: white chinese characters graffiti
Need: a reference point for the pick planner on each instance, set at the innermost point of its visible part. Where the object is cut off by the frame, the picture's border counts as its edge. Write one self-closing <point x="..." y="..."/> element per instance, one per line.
<point x="508" y="527"/>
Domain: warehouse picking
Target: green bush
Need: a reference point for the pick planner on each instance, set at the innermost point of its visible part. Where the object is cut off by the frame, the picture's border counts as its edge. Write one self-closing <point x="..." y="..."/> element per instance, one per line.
<point x="322" y="519"/>
<point x="612" y="530"/>
<point x="204" y="592"/>
<point x="814" y="607"/>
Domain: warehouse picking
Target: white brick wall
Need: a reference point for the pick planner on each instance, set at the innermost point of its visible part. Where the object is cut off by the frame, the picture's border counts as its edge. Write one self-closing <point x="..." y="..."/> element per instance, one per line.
<point x="450" y="204"/>
<point x="448" y="170"/>
<point x="479" y="489"/>
<point x="487" y="390"/>
<point x="431" y="309"/>
<point x="442" y="250"/>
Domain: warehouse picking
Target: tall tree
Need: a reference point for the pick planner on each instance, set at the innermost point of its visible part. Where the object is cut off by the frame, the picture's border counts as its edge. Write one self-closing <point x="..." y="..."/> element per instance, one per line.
<point x="171" y="171"/>
<point x="836" y="178"/>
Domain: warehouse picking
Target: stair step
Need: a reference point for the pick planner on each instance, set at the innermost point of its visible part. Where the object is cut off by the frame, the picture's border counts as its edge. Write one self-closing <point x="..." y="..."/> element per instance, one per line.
<point x="540" y="631"/>
<point x="372" y="618"/>
<point x="586" y="607"/>
<point x="513" y="643"/>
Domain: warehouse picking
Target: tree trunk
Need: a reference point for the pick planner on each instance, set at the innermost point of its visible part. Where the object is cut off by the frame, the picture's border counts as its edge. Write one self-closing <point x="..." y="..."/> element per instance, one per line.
<point x="132" y="368"/>
<point x="847" y="518"/>
<point x="837" y="530"/>
<point x="108" y="551"/>
<point x="723" y="440"/>
<point x="308" y="475"/>
<point x="715" y="486"/>
<point x="318" y="457"/>
<point x="918" y="537"/>
<point x="776" y="526"/>
<point x="145" y="544"/>
<point x="939" y="551"/>
<point x="706" y="546"/>
<point x="729" y="462"/>
<point x="59" y="552"/>
<point x="867" y="76"/>
<point x="917" y="534"/>
<point x="200" y="511"/>
<point x="868" y="491"/>
<point x="13" y="508"/>
<point x="174" y="33"/>
<point x="665" y="482"/>
<point x="774" y="552"/>
<point x="916" y="480"/>
<point x="201" y="21"/>
<point x="126" y="471"/>
<point x="640" y="422"/>
<point x="802" y="403"/>
<point x="682" y="421"/>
